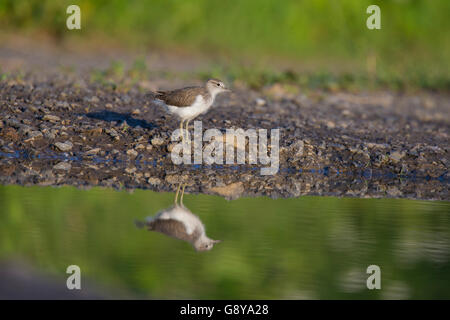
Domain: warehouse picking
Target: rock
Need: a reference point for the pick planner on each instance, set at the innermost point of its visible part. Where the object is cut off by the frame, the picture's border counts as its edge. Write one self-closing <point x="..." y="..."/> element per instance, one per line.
<point x="132" y="152"/>
<point x="154" y="181"/>
<point x="93" y="151"/>
<point x="230" y="192"/>
<point x="298" y="148"/>
<point x="260" y="102"/>
<point x="396" y="156"/>
<point x="113" y="133"/>
<point x="62" y="166"/>
<point x="95" y="131"/>
<point x="330" y="124"/>
<point x="10" y="133"/>
<point x="157" y="141"/>
<point x="126" y="99"/>
<point x="25" y="129"/>
<point x="130" y="170"/>
<point x="64" y="146"/>
<point x="33" y="135"/>
<point x="51" y="118"/>
<point x="377" y="145"/>
<point x="140" y="146"/>
<point x="394" y="192"/>
<point x="173" y="179"/>
<point x="49" y="134"/>
<point x="63" y="105"/>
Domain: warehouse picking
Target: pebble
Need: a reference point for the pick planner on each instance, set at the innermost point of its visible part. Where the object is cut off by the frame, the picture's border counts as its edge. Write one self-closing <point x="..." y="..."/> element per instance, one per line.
<point x="63" y="166"/>
<point x="230" y="192"/>
<point x="64" y="146"/>
<point x="140" y="146"/>
<point x="396" y="156"/>
<point x="51" y="118"/>
<point x="157" y="141"/>
<point x="173" y="179"/>
<point x="95" y="131"/>
<point x="298" y="147"/>
<point x="130" y="170"/>
<point x="260" y="102"/>
<point x="330" y="124"/>
<point x="93" y="151"/>
<point x="132" y="152"/>
<point x="33" y="135"/>
<point x="153" y="181"/>
<point x="49" y="134"/>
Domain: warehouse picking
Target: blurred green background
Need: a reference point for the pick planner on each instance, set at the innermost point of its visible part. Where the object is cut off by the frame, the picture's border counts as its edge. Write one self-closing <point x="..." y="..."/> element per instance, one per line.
<point x="308" y="247"/>
<point x="250" y="38"/>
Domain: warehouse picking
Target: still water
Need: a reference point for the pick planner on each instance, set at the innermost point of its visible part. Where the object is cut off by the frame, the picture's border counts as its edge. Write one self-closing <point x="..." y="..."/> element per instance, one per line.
<point x="302" y="248"/>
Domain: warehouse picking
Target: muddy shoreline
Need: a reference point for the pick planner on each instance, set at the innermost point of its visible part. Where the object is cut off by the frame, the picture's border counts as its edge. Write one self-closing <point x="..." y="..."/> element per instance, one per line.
<point x="57" y="130"/>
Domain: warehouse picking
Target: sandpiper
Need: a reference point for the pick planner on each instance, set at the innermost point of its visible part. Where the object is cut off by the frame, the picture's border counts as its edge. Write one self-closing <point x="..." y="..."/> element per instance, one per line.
<point x="180" y="223"/>
<point x="188" y="103"/>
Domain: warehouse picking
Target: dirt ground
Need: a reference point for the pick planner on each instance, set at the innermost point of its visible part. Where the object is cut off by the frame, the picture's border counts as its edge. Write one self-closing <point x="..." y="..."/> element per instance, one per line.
<point x="59" y="127"/>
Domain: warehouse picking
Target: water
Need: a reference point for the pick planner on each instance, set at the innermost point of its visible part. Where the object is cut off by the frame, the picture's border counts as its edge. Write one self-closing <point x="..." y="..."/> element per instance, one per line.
<point x="307" y="247"/>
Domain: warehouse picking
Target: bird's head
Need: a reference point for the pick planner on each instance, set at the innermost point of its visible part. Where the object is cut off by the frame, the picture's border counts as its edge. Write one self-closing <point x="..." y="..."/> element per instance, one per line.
<point x="215" y="86"/>
<point x="205" y="245"/>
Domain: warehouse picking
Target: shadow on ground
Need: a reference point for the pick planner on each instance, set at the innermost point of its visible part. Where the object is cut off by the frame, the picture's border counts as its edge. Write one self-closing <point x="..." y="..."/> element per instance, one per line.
<point x="106" y="115"/>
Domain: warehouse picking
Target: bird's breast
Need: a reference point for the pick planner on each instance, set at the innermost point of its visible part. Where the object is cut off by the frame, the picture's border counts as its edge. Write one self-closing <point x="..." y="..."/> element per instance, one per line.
<point x="199" y="106"/>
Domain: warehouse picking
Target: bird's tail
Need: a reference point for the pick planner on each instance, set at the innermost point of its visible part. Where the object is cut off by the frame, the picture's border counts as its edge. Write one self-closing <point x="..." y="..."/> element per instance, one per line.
<point x="139" y="224"/>
<point x="146" y="223"/>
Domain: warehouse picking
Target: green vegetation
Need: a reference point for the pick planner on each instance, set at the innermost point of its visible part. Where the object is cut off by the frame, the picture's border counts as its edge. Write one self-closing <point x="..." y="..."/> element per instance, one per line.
<point x="326" y="42"/>
<point x="288" y="248"/>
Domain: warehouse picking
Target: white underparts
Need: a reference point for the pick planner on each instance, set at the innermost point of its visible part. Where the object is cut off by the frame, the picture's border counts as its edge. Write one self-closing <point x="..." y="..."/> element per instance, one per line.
<point x="198" y="107"/>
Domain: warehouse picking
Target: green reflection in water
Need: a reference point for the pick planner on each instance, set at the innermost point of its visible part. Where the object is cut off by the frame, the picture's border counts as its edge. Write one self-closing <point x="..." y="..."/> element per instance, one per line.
<point x="309" y="247"/>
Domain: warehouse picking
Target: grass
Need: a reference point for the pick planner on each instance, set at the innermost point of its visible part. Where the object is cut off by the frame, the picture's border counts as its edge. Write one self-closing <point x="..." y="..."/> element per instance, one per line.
<point x="117" y="75"/>
<point x="410" y="50"/>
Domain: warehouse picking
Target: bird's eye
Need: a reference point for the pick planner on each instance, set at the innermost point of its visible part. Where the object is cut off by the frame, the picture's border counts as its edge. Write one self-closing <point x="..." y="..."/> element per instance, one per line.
<point x="218" y="84"/>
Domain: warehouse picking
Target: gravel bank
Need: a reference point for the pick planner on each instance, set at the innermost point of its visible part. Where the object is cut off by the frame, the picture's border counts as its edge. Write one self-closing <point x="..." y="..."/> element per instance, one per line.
<point x="60" y="130"/>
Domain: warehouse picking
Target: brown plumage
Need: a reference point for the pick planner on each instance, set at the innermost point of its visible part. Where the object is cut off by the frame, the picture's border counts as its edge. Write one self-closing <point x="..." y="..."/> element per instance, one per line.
<point x="173" y="228"/>
<point x="184" y="97"/>
<point x="190" y="102"/>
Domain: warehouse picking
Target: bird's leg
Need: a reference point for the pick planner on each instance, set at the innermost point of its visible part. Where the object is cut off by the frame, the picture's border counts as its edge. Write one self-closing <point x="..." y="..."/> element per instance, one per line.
<point x="182" y="194"/>
<point x="187" y="128"/>
<point x="181" y="131"/>
<point x="176" y="195"/>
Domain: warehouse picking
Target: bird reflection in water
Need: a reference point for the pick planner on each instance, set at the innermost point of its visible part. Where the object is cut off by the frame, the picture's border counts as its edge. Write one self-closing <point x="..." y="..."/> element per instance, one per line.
<point x="180" y="223"/>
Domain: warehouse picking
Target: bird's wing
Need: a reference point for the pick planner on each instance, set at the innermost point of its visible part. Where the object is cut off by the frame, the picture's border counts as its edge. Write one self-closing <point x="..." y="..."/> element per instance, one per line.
<point x="172" y="228"/>
<point x="181" y="97"/>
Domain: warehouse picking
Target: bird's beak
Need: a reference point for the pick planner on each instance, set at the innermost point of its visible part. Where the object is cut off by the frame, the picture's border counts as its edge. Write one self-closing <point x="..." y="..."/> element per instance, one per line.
<point x="217" y="241"/>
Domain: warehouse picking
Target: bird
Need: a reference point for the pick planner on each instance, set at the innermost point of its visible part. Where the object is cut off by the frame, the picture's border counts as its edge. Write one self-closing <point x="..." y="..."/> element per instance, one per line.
<point x="180" y="223"/>
<point x="189" y="102"/>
